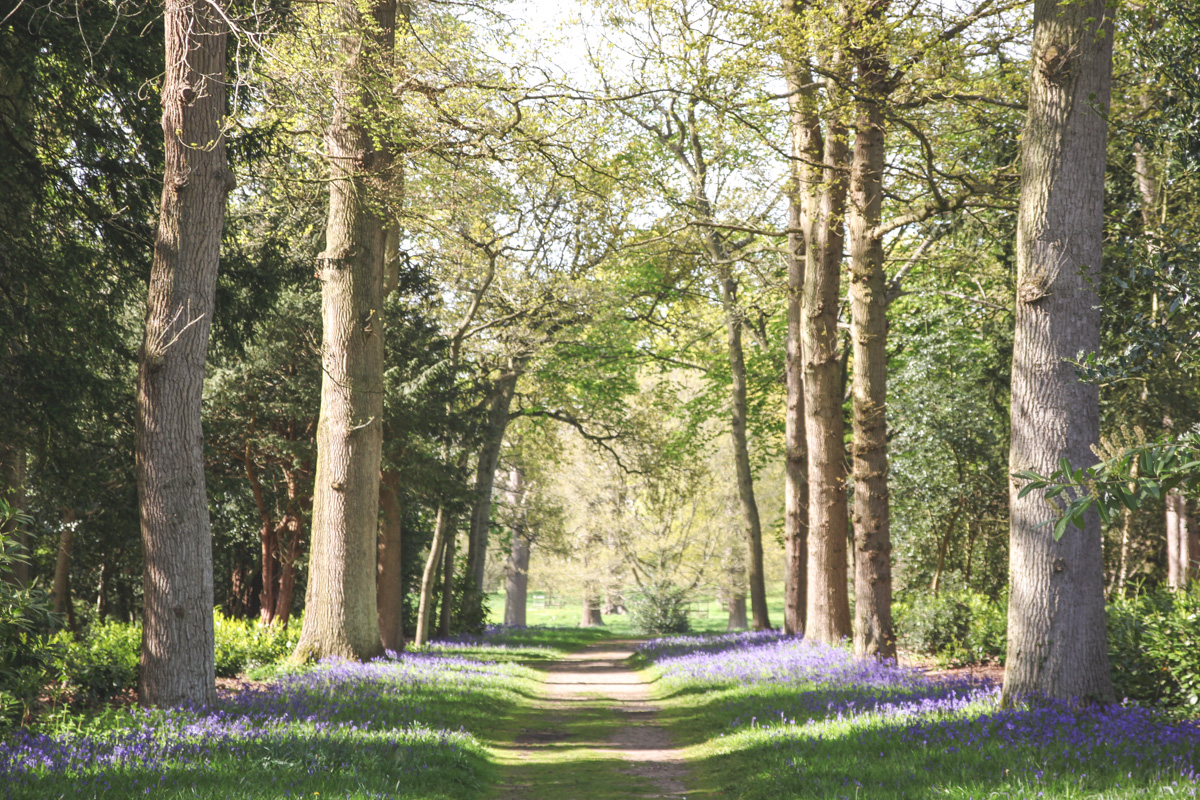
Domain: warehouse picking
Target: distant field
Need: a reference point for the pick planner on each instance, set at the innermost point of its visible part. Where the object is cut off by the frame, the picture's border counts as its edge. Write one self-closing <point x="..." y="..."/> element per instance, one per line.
<point x="709" y="615"/>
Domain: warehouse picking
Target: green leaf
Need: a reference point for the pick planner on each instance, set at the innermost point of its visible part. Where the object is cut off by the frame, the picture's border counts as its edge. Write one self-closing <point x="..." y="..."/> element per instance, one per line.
<point x="1060" y="528"/>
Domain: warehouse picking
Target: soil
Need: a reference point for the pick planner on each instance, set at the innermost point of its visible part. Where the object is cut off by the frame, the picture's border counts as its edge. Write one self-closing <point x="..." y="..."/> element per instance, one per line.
<point x="578" y="688"/>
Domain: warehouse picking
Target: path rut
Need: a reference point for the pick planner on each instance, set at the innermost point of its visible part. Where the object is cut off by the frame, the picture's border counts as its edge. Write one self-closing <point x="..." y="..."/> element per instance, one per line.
<point x="594" y="736"/>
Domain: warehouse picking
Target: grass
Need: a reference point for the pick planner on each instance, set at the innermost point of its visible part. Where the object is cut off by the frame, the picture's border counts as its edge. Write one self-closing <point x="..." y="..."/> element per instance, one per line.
<point x="419" y="727"/>
<point x="710" y="615"/>
<point x="754" y="730"/>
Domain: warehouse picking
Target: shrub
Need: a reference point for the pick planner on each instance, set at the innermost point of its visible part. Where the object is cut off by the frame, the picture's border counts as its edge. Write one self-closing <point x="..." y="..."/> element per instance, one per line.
<point x="28" y="648"/>
<point x="659" y="607"/>
<point x="103" y="663"/>
<point x="1154" y="647"/>
<point x="245" y="644"/>
<point x="934" y="626"/>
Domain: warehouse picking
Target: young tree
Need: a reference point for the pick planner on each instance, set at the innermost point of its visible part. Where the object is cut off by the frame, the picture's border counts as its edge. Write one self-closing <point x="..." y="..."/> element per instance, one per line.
<point x="177" y="662"/>
<point x="1056" y="625"/>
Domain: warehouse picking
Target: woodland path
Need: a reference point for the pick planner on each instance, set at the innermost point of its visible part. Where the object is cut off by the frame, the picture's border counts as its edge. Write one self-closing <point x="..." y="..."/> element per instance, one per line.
<point x="591" y="735"/>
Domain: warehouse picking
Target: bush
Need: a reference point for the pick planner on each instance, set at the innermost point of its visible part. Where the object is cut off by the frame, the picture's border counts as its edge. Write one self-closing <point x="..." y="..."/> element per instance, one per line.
<point x="28" y="647"/>
<point x="245" y="644"/>
<point x="957" y="627"/>
<point x="1154" y="648"/>
<point x="659" y="607"/>
<point x="103" y="663"/>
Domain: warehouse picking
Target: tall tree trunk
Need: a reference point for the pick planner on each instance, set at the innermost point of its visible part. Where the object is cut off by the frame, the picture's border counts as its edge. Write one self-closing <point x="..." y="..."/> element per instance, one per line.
<point x="485" y="477"/>
<point x="516" y="569"/>
<point x="1176" y="534"/>
<point x="828" y="615"/>
<point x="873" y="633"/>
<point x="340" y="617"/>
<point x="751" y="524"/>
<point x="268" y="539"/>
<point x="12" y="489"/>
<point x="446" y="607"/>
<point x="62" y="568"/>
<point x="429" y="576"/>
<point x="795" y="520"/>
<point x="1056" y="626"/>
<point x="390" y="579"/>
<point x="177" y="664"/>
<point x="1191" y="560"/>
<point x="293" y="524"/>
<point x="591" y="617"/>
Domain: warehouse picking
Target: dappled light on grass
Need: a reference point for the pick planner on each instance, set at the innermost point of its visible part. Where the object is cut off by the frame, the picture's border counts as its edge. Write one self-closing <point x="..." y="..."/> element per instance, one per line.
<point x="772" y="716"/>
<point x="393" y="727"/>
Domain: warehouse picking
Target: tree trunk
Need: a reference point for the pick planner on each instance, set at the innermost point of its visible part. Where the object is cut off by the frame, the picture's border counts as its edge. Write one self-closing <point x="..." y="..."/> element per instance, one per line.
<point x="293" y="524"/>
<point x="12" y="489"/>
<point x="268" y="539"/>
<point x="828" y="614"/>
<point x="516" y="582"/>
<point x="445" y="609"/>
<point x="516" y="569"/>
<point x="1176" y="535"/>
<point x="1056" y="625"/>
<point x="873" y="633"/>
<point x="795" y="520"/>
<point x="1191" y="560"/>
<point x="341" y="617"/>
<point x="591" y="607"/>
<point x="429" y="576"/>
<point x="741" y="458"/>
<point x="485" y="477"/>
<point x="177" y="664"/>
<point x="62" y="569"/>
<point x="737" y="613"/>
<point x="390" y="578"/>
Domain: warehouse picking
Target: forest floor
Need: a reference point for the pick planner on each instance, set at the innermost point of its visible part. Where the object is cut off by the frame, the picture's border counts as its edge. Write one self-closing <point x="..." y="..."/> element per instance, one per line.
<point x="593" y="733"/>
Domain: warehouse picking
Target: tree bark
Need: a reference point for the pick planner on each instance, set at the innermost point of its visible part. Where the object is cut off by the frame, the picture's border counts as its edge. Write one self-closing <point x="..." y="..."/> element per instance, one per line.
<point x="177" y="664"/>
<point x="1056" y="625"/>
<point x="873" y="632"/>
<point x="828" y="614"/>
<point x="293" y="523"/>
<point x="1176" y="516"/>
<point x="737" y="613"/>
<point x="62" y="568"/>
<point x="795" y="520"/>
<point x="751" y="523"/>
<point x="341" y="617"/>
<point x="268" y="540"/>
<point x="485" y="476"/>
<point x="516" y="569"/>
<point x="390" y="578"/>
<point x="429" y="576"/>
<point x="591" y="617"/>
<point x="446" y="607"/>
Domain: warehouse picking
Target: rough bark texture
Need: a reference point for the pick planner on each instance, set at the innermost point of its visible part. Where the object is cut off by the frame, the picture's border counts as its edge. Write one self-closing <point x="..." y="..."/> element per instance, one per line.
<point x="429" y="576"/>
<point x="389" y="588"/>
<point x="795" y="519"/>
<point x="828" y="615"/>
<point x="485" y="477"/>
<point x="340" y="616"/>
<point x="755" y="576"/>
<point x="177" y="663"/>
<point x="516" y="568"/>
<point x="1056" y="626"/>
<point x="873" y="632"/>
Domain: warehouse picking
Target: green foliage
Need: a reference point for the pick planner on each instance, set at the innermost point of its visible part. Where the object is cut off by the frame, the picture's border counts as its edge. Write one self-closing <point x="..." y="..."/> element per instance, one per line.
<point x="28" y="650"/>
<point x="1131" y="475"/>
<point x="245" y="644"/>
<point x="102" y="664"/>
<point x="659" y="607"/>
<point x="957" y="627"/>
<point x="1154" y="648"/>
<point x="469" y="608"/>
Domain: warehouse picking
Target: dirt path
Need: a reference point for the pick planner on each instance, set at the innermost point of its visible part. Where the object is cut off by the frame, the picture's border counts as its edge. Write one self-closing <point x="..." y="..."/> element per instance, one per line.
<point x="592" y="735"/>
